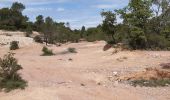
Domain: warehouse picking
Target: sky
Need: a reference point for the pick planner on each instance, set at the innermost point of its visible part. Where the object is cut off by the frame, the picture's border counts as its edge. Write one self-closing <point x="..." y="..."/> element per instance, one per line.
<point x="76" y="12"/>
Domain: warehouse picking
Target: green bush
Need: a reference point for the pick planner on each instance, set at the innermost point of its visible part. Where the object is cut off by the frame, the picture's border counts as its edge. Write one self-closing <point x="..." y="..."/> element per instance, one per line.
<point x="10" y="79"/>
<point x="47" y="52"/>
<point x="14" y="45"/>
<point x="137" y="39"/>
<point x="158" y="42"/>
<point x="38" y="39"/>
<point x="72" y="50"/>
<point x="151" y="83"/>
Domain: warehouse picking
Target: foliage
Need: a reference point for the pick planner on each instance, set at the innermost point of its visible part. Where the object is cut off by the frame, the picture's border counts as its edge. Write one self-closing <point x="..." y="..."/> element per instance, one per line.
<point x="72" y="50"/>
<point x="109" y="22"/>
<point x="47" y="52"/>
<point x="39" y="23"/>
<point x="12" y="18"/>
<point x="8" y="72"/>
<point x="157" y="42"/>
<point x="83" y="29"/>
<point x="38" y="39"/>
<point x="151" y="83"/>
<point x="145" y="25"/>
<point x="95" y="34"/>
<point x="14" y="45"/>
<point x="137" y="39"/>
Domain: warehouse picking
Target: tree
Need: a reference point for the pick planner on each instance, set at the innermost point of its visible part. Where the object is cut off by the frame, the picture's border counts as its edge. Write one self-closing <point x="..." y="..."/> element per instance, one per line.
<point x="39" y="23"/>
<point x="139" y="13"/>
<point x="12" y="19"/>
<point x="109" y="22"/>
<point x="19" y="7"/>
<point x="83" y="29"/>
<point x="48" y="30"/>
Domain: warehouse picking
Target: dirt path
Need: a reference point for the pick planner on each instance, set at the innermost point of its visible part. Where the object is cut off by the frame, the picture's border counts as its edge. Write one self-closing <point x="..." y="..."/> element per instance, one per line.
<point x="86" y="76"/>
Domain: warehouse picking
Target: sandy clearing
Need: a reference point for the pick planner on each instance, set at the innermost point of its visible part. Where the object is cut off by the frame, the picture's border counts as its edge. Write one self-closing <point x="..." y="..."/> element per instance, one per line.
<point x="57" y="78"/>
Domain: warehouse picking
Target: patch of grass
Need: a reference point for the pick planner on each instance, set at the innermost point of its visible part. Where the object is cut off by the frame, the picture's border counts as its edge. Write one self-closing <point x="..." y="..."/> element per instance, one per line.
<point x="47" y="52"/>
<point x="151" y="83"/>
<point x="72" y="50"/>
<point x="9" y="84"/>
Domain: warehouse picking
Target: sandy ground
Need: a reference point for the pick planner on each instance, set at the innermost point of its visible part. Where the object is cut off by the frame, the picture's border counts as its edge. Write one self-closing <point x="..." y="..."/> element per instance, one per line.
<point x="86" y="77"/>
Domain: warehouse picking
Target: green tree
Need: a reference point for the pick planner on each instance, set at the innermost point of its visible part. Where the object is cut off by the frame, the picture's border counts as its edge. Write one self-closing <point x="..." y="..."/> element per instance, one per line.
<point x="48" y="30"/>
<point x="19" y="7"/>
<point x="12" y="19"/>
<point x="83" y="29"/>
<point x="39" y="23"/>
<point x="109" y="22"/>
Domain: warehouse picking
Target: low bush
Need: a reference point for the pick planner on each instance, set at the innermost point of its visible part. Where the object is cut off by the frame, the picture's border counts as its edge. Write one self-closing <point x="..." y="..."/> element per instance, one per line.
<point x="10" y="79"/>
<point x="151" y="83"/>
<point x="157" y="42"/>
<point x="72" y="50"/>
<point x="14" y="45"/>
<point x="38" y="39"/>
<point x="47" y="52"/>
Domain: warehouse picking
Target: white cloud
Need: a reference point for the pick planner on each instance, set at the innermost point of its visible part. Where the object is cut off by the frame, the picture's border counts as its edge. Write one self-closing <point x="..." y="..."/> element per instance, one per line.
<point x="43" y="9"/>
<point x="105" y="6"/>
<point x="37" y="9"/>
<point x="60" y="9"/>
<point x="35" y="2"/>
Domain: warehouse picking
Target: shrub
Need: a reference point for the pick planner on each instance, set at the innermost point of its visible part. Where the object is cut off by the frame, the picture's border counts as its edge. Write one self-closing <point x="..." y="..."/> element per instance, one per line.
<point x="38" y="39"/>
<point x="47" y="52"/>
<point x="157" y="42"/>
<point x="14" y="45"/>
<point x="137" y="39"/>
<point x="72" y="50"/>
<point x="151" y="83"/>
<point x="8" y="72"/>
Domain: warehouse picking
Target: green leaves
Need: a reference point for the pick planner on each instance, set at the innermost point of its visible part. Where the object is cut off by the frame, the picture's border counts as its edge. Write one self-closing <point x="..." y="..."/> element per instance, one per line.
<point x="19" y="7"/>
<point x="109" y="22"/>
<point x="9" y="78"/>
<point x="137" y="38"/>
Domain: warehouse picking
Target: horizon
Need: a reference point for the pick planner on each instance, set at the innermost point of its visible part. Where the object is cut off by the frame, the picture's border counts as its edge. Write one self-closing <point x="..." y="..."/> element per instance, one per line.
<point x="69" y="10"/>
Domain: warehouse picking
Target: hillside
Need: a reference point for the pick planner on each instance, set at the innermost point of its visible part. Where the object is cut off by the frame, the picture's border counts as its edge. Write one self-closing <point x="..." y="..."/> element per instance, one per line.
<point x="8" y="36"/>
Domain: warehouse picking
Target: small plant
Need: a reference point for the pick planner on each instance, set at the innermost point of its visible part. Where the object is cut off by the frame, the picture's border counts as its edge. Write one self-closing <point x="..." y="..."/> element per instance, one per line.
<point x="47" y="52"/>
<point x="14" y="45"/>
<point x="151" y="83"/>
<point x="10" y="79"/>
<point x="72" y="50"/>
<point x="38" y="39"/>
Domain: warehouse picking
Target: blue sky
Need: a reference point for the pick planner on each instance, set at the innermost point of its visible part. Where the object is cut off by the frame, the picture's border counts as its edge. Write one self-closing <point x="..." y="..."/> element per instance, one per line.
<point x="76" y="12"/>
